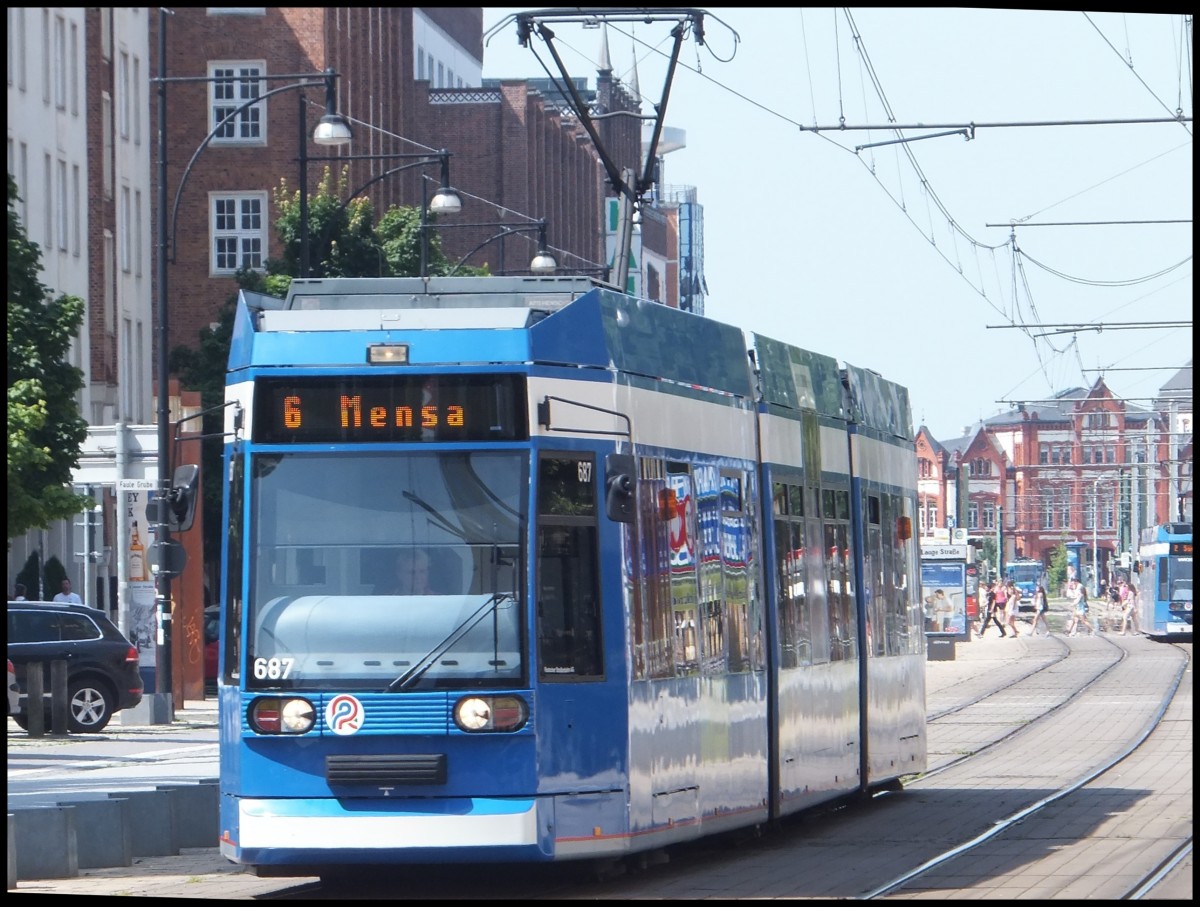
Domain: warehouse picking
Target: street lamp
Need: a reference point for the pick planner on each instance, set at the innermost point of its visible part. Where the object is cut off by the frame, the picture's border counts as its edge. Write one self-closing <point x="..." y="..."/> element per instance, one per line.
<point x="445" y="201"/>
<point x="331" y="130"/>
<point x="543" y="262"/>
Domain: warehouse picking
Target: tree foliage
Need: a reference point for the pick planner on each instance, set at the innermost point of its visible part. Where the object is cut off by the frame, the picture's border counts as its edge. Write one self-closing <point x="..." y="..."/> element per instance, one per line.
<point x="45" y="428"/>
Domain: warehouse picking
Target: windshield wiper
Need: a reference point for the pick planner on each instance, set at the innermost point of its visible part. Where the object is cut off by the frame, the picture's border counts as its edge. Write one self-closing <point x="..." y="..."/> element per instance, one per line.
<point x="427" y="661"/>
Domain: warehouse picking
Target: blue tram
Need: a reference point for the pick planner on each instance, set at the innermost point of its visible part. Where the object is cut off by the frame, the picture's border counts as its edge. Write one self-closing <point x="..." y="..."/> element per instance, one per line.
<point x="526" y="569"/>
<point x="1164" y="580"/>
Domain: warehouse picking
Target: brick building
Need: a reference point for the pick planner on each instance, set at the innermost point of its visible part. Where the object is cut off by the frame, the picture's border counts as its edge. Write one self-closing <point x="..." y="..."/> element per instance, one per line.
<point x="1085" y="467"/>
<point x="409" y="80"/>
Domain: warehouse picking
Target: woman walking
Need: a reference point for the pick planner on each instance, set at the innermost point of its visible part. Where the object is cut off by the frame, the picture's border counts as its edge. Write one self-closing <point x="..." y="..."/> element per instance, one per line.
<point x="1129" y="608"/>
<point x="1012" y="607"/>
<point x="1040" y="607"/>
<point x="991" y="604"/>
<point x="1079" y="603"/>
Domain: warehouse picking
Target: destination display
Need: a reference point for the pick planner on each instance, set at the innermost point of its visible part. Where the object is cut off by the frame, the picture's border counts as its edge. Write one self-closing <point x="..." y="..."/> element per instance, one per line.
<point x="391" y="408"/>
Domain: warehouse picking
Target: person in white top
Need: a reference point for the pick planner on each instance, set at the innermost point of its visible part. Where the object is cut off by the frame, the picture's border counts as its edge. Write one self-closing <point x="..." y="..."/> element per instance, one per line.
<point x="67" y="595"/>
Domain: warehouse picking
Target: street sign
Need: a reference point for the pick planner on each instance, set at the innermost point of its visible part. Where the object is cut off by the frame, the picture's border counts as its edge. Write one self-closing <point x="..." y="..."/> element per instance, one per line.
<point x="136" y="485"/>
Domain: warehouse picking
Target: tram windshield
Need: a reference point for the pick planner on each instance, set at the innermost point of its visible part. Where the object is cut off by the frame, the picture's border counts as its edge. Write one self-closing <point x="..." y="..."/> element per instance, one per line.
<point x="369" y="568"/>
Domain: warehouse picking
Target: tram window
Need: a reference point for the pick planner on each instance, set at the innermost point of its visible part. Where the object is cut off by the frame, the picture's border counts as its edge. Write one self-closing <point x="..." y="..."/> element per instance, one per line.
<point x="735" y="547"/>
<point x="569" y="632"/>
<point x="656" y="617"/>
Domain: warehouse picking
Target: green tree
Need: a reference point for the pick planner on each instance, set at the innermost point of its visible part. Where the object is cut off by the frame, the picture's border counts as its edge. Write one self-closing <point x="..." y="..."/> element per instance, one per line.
<point x="45" y="428"/>
<point x="1056" y="571"/>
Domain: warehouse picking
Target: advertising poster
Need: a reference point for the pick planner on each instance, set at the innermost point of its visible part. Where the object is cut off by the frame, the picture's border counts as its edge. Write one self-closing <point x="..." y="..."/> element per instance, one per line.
<point x="143" y="622"/>
<point x="943" y="594"/>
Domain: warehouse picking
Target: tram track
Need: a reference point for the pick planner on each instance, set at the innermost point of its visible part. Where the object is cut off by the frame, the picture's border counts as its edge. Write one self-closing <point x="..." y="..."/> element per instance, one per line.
<point x="1003" y="813"/>
<point x="1072" y="797"/>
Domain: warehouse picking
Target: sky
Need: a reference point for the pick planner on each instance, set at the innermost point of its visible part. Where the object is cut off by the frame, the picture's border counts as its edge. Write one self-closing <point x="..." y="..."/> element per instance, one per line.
<point x="979" y="272"/>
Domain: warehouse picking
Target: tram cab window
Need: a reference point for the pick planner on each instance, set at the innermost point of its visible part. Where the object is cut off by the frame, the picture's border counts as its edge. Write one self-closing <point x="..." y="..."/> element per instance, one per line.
<point x="570" y="646"/>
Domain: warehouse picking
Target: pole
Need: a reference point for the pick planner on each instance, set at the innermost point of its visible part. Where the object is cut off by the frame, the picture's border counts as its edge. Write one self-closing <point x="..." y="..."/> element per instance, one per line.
<point x="1000" y="541"/>
<point x="1095" y="538"/>
<point x="303" y="140"/>
<point x="424" y="228"/>
<point x="163" y="536"/>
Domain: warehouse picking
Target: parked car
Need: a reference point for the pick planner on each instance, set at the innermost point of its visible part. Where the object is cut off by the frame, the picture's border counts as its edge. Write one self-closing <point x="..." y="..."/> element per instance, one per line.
<point x="14" y="693"/>
<point x="102" y="665"/>
<point x="212" y="636"/>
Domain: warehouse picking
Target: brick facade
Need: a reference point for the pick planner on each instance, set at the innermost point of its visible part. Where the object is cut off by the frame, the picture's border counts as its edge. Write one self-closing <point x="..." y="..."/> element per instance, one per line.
<point x="507" y="147"/>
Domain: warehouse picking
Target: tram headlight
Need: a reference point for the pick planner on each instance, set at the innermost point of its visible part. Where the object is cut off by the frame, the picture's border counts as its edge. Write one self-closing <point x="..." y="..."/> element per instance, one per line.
<point x="490" y="713"/>
<point x="282" y="716"/>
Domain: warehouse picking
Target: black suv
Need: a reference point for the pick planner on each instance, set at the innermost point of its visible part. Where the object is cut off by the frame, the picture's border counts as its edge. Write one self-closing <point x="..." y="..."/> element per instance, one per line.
<point x="102" y="665"/>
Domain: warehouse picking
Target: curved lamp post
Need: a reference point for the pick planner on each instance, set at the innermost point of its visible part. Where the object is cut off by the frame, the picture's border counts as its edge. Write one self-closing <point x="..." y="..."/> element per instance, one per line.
<point x="332" y="130"/>
<point x="543" y="262"/>
<point x="446" y="199"/>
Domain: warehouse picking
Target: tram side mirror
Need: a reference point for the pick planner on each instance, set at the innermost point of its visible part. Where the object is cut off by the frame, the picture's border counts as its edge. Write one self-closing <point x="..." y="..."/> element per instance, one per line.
<point x="185" y="486"/>
<point x="618" y="487"/>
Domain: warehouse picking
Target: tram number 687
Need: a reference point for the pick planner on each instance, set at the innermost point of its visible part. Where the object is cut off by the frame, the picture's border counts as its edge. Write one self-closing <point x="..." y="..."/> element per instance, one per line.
<point x="272" y="668"/>
<point x="585" y="471"/>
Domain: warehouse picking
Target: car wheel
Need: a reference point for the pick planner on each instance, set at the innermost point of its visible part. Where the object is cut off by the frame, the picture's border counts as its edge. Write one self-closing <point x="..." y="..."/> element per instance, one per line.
<point x="90" y="706"/>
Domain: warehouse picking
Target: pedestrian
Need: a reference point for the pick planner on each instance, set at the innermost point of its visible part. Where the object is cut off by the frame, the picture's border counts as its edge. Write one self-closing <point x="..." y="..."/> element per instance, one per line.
<point x="991" y="605"/>
<point x="1040" y="607"/>
<point x="67" y="595"/>
<point x="1129" y="608"/>
<point x="1077" y="595"/>
<point x="19" y="592"/>
<point x="1012" y="605"/>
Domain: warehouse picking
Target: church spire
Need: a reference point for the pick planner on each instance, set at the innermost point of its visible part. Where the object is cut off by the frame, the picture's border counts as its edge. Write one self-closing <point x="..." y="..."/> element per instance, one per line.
<point x="605" y="65"/>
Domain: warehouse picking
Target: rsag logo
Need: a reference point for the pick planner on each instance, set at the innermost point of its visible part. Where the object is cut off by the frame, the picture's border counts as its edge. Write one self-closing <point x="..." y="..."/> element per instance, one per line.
<point x="344" y="714"/>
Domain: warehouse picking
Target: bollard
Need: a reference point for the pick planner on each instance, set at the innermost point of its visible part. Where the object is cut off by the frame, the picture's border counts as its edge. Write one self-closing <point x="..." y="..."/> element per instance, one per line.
<point x="46" y="843"/>
<point x="35" y="712"/>
<point x="58" y="698"/>
<point x="12" y="851"/>
<point x="196" y="806"/>
<point x="152" y="817"/>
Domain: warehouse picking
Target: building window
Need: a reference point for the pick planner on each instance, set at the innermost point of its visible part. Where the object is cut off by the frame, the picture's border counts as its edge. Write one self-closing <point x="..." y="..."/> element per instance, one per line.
<point x="237" y="84"/>
<point x="137" y="101"/>
<point x="123" y="99"/>
<point x="1047" y="514"/>
<point x="239" y="236"/>
<point x="45" y="56"/>
<point x="981" y="467"/>
<point x="74" y="69"/>
<point x="76" y="211"/>
<point x="124" y="246"/>
<point x="972" y="515"/>
<point x="60" y="62"/>
<point x="989" y="516"/>
<point x="924" y="468"/>
<point x="1064" y="509"/>
<point x="106" y="151"/>
<point x="137" y="232"/>
<point x="420" y="64"/>
<point x="61" y="220"/>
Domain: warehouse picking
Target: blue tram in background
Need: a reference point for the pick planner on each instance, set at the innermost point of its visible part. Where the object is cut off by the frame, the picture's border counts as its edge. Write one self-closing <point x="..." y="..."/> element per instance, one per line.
<point x="668" y="586"/>
<point x="1164" y="579"/>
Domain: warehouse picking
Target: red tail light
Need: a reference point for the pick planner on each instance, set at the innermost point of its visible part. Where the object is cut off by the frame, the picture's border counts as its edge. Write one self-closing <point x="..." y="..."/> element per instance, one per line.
<point x="131" y="656"/>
